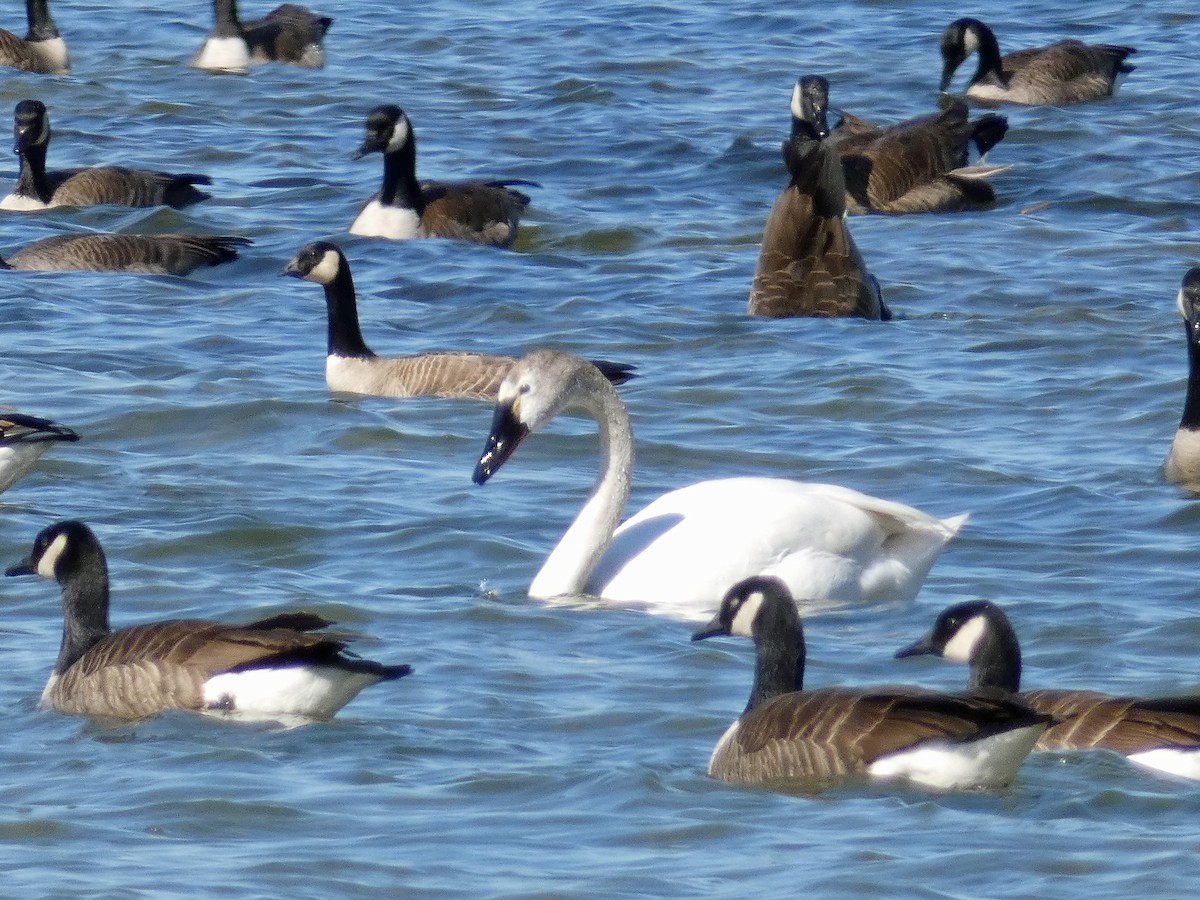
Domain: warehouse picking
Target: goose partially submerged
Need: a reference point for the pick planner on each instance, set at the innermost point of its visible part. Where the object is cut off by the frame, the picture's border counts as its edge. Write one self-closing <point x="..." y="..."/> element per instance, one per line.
<point x="42" y="50"/>
<point x="145" y="254"/>
<point x="791" y="737"/>
<point x="23" y="439"/>
<point x="919" y="165"/>
<point x="680" y="554"/>
<point x="1161" y="733"/>
<point x="1064" y="72"/>
<point x="808" y="264"/>
<point x="276" y="668"/>
<point x="483" y="212"/>
<point x="1182" y="465"/>
<point x="289" y="34"/>
<point x="351" y="366"/>
<point x="38" y="188"/>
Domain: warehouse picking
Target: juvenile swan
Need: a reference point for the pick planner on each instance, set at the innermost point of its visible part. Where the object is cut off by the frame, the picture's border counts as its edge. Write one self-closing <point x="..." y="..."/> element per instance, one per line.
<point x="483" y="212"/>
<point x="38" y="188"/>
<point x="1182" y="465"/>
<point x="788" y="734"/>
<point x="351" y="366"/>
<point x="42" y="50"/>
<point x="1064" y="72"/>
<point x="808" y="264"/>
<point x="1161" y="733"/>
<point x="23" y="439"/>
<point x="680" y="554"/>
<point x="275" y="668"/>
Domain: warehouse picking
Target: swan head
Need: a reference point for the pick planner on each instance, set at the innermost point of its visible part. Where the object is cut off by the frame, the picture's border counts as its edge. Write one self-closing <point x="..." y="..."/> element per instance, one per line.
<point x="537" y="388"/>
<point x="318" y="262"/>
<point x="387" y="131"/>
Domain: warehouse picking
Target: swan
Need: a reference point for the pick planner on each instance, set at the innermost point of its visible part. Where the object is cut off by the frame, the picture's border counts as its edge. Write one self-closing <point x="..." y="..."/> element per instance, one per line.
<point x="679" y="555"/>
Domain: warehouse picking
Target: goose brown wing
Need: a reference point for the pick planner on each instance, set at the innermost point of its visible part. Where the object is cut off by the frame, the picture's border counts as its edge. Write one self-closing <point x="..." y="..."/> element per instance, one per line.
<point x="285" y="32"/>
<point x="162" y="254"/>
<point x="16" y="54"/>
<point x="1121" y="724"/>
<point x="127" y="187"/>
<point x="484" y="212"/>
<point x="470" y="375"/>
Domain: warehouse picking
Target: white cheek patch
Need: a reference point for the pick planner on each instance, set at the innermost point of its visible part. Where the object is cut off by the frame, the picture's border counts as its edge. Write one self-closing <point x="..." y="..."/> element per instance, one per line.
<point x="970" y="41"/>
<point x="961" y="647"/>
<point x="326" y="270"/>
<point x="45" y="565"/>
<point x="797" y="105"/>
<point x="743" y="623"/>
<point x="399" y="135"/>
<point x="1181" y="304"/>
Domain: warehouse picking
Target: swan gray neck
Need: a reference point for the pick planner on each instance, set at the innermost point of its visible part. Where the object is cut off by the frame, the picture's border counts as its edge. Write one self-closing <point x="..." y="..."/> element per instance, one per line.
<point x="568" y="566"/>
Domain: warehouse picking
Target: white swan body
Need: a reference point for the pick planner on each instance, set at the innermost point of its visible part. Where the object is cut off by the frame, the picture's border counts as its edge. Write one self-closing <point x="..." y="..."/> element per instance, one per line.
<point x="680" y="554"/>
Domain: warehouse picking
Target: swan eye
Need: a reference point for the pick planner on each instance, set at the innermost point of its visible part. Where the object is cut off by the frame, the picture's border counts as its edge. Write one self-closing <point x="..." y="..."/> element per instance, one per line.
<point x="523" y="389"/>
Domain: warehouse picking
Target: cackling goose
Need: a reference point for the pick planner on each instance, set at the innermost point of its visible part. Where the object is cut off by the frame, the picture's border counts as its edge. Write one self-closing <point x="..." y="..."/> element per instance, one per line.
<point x="1161" y="734"/>
<point x="1064" y="72"/>
<point x="38" y="189"/>
<point x="680" y="554"/>
<point x="808" y="264"/>
<point x="42" y="50"/>
<point x="274" y="669"/>
<point x="789" y="736"/>
<point x="484" y="212"/>
<point x="289" y="34"/>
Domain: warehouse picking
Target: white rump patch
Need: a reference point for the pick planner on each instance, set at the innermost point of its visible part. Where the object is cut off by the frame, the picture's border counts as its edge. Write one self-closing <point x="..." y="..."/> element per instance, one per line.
<point x="310" y="692"/>
<point x="961" y="647"/>
<point x="991" y="762"/>
<point x="223" y="54"/>
<point x="1174" y="761"/>
<point x="398" y="223"/>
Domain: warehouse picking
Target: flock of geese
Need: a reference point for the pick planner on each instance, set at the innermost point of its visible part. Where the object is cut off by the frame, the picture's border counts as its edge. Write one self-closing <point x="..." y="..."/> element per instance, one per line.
<point x="755" y="549"/>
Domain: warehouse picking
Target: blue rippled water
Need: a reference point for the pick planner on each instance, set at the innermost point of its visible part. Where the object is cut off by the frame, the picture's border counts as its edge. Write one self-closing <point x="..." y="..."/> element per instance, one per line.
<point x="1034" y="377"/>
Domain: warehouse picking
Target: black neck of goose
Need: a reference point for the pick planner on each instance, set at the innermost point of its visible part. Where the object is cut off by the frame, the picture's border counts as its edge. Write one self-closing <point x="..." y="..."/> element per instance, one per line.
<point x="345" y="335"/>
<point x="32" y="180"/>
<point x="989" y="56"/>
<point x="779" y="657"/>
<point x="400" y="185"/>
<point x="816" y="169"/>
<point x="997" y="659"/>
<point x="225" y="16"/>
<point x="1191" y="401"/>
<point x="85" y="607"/>
<point x="41" y="24"/>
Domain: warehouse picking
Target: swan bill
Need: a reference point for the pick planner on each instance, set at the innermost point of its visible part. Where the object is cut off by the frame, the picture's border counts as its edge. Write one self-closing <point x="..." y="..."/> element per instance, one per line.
<point x="506" y="435"/>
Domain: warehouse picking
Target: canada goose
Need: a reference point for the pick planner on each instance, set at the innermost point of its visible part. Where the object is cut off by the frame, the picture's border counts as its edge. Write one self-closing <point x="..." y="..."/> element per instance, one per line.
<point x="351" y="366"/>
<point x="288" y="34"/>
<point x="147" y="254"/>
<point x="1161" y="734"/>
<point x="680" y="554"/>
<point x="1182" y="465"/>
<point x="789" y="734"/>
<point x="919" y="165"/>
<point x="270" y="669"/>
<point x="43" y="49"/>
<point x="22" y="440"/>
<point x="38" y="189"/>
<point x="484" y="212"/>
<point x="808" y="264"/>
<point x="1064" y="72"/>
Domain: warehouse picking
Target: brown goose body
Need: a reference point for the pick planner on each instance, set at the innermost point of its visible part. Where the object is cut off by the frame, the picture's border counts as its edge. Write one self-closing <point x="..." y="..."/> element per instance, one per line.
<point x="275" y="668"/>
<point x="289" y="34"/>
<point x="39" y="188"/>
<point x="919" y="165"/>
<point x="159" y="254"/>
<point x="1064" y="72"/>
<point x="808" y="264"/>
<point x="41" y="50"/>
<point x="789" y="735"/>
<point x="351" y="366"/>
<point x="1161" y="733"/>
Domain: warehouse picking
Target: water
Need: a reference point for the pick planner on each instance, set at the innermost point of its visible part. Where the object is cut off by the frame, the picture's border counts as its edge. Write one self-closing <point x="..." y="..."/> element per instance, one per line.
<point x="1034" y="378"/>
